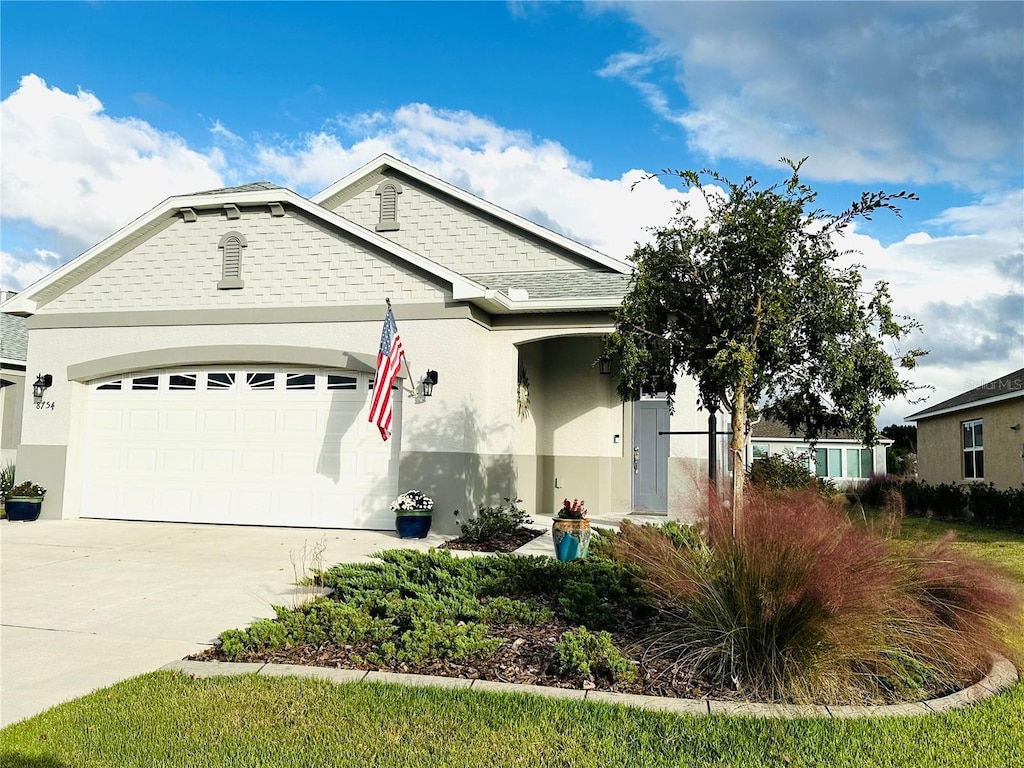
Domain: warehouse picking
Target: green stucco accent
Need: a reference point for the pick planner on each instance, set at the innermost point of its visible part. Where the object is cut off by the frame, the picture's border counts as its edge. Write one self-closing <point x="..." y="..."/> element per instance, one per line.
<point x="46" y="465"/>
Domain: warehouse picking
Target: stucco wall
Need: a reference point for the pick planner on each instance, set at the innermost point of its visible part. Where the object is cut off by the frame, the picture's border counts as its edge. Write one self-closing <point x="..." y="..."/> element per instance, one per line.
<point x="458" y="444"/>
<point x="940" y="444"/>
<point x="11" y="407"/>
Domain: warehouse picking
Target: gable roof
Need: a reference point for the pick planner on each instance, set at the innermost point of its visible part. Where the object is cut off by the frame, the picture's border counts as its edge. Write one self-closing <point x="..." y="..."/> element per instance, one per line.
<point x="504" y="293"/>
<point x="768" y="429"/>
<point x="1004" y="388"/>
<point x="57" y="282"/>
<point x="336" y="190"/>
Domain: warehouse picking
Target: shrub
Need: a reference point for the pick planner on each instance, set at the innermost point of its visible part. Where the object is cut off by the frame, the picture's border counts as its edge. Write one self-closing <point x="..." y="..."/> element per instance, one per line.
<point x="583" y="654"/>
<point x="806" y="606"/>
<point x="494" y="521"/>
<point x="782" y="471"/>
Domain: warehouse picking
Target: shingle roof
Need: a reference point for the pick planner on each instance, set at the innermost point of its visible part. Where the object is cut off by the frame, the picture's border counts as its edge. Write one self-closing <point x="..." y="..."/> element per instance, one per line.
<point x="1009" y="384"/>
<point x="13" y="337"/>
<point x="556" y="285"/>
<point x="766" y="428"/>
<point x="256" y="186"/>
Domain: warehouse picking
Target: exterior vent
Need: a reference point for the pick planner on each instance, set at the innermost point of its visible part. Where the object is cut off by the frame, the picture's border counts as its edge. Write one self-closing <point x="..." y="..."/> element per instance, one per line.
<point x="388" y="191"/>
<point x="231" y="246"/>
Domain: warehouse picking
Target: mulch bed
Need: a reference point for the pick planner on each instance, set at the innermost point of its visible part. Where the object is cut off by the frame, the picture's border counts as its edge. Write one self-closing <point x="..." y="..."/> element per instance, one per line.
<point x="509" y="542"/>
<point x="527" y="657"/>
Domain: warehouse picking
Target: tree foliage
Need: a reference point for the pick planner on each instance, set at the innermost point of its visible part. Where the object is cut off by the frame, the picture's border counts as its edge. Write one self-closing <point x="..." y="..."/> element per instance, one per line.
<point x="749" y="301"/>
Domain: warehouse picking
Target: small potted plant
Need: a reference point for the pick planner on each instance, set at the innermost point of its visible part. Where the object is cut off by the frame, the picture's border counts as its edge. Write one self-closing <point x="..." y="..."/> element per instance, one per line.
<point x="6" y="483"/>
<point x="413" y="514"/>
<point x="570" y="531"/>
<point x="24" y="501"/>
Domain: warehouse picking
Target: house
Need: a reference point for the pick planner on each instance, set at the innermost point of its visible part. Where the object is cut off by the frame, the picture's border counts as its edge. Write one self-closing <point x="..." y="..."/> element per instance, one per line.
<point x="840" y="456"/>
<point x="212" y="362"/>
<point x="13" y="351"/>
<point x="976" y="436"/>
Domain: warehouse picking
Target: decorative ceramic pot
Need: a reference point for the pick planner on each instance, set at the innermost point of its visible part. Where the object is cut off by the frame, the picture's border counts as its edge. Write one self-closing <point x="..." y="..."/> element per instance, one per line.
<point x="412" y="523"/>
<point x="571" y="537"/>
<point x="23" y="508"/>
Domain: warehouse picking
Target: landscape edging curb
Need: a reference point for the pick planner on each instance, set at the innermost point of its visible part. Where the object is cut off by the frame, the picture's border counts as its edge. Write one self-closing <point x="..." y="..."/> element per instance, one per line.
<point x="1000" y="677"/>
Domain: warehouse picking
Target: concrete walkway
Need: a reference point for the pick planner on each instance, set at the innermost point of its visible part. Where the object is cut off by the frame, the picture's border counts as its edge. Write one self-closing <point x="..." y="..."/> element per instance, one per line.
<point x="86" y="603"/>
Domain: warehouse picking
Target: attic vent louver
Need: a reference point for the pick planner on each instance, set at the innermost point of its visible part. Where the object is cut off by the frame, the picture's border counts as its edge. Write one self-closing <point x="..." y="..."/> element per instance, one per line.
<point x="231" y="246"/>
<point x="388" y="191"/>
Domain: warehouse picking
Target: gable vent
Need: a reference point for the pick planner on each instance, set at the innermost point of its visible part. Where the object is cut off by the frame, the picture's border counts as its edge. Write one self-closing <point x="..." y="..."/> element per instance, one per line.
<point x="231" y="246"/>
<point x="388" y="191"/>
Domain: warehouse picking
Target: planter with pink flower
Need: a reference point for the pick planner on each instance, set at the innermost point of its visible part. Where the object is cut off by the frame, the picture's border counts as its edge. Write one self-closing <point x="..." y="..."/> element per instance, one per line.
<point x="570" y="531"/>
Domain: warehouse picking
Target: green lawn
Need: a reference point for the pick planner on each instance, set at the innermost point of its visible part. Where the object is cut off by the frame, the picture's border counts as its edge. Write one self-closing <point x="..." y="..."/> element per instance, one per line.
<point x="168" y="719"/>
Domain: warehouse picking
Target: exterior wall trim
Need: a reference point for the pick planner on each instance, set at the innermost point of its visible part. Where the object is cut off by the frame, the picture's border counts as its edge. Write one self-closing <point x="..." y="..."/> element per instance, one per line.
<point x="255" y="316"/>
<point x="966" y="406"/>
<point x="220" y="354"/>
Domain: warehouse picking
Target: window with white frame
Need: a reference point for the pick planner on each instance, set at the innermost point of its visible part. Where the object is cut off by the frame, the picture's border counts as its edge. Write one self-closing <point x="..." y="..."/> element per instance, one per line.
<point x="974" y="451"/>
<point x="828" y="462"/>
<point x="859" y="462"/>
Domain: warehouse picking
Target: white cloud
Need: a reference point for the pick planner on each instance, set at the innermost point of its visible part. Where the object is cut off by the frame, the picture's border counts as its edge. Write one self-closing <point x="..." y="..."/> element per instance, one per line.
<point x="963" y="289"/>
<point x="871" y="91"/>
<point x="537" y="179"/>
<point x="23" y="270"/>
<point x="73" y="169"/>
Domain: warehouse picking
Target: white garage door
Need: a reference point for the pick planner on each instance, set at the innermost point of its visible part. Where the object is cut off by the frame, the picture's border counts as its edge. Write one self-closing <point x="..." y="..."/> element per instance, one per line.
<point x="251" y="446"/>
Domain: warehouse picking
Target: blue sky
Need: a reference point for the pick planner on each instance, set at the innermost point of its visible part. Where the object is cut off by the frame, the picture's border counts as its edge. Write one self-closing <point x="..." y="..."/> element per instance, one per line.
<point x="551" y="110"/>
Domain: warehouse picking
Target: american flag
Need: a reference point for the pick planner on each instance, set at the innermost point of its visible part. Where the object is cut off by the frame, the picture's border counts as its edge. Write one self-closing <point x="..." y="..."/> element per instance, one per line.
<point x="389" y="360"/>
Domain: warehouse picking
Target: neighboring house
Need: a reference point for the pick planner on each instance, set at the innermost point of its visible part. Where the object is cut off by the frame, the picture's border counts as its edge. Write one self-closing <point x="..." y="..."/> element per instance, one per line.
<point x="13" y="352"/>
<point x="976" y="436"/>
<point x="212" y="362"/>
<point x="841" y="456"/>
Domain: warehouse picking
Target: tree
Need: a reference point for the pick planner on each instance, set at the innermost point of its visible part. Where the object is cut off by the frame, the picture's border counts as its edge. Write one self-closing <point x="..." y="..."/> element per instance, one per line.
<point x="750" y="303"/>
<point x="897" y="456"/>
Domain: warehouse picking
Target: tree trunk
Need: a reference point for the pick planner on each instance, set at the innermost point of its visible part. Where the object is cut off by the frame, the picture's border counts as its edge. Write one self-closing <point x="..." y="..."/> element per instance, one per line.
<point x="738" y="448"/>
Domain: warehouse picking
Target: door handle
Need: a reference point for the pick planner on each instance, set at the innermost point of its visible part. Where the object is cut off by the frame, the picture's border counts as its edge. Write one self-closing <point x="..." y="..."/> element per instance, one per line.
<point x="636" y="460"/>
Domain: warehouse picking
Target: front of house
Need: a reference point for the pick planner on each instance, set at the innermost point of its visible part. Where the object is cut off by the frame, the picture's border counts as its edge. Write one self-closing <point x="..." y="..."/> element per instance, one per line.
<point x="213" y="362"/>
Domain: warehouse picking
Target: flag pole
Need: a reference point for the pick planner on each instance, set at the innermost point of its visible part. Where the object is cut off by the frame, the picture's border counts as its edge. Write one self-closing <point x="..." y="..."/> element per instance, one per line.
<point x="405" y="358"/>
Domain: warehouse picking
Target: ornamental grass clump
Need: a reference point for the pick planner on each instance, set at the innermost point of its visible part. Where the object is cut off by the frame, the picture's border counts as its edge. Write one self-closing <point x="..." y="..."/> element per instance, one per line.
<point x="806" y="606"/>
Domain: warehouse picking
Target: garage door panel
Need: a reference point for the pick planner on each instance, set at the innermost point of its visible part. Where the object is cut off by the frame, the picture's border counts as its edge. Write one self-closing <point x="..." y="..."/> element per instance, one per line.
<point x="174" y="460"/>
<point x="181" y="421"/>
<point x="238" y="456"/>
<point x="219" y="421"/>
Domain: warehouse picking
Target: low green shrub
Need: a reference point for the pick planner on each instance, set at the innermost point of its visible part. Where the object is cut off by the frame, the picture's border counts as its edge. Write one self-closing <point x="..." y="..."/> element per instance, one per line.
<point x="584" y="654"/>
<point x="490" y="522"/>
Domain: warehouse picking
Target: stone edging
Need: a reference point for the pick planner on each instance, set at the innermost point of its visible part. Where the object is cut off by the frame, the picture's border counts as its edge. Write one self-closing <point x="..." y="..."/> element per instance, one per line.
<point x="1002" y="675"/>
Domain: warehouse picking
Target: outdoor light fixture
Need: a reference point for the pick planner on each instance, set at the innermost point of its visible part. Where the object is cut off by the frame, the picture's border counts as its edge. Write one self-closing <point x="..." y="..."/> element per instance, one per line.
<point x="604" y="365"/>
<point x="43" y="383"/>
<point x="429" y="380"/>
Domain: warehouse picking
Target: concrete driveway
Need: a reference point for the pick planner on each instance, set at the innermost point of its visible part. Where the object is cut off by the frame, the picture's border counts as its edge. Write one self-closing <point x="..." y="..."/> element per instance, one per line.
<point x="86" y="603"/>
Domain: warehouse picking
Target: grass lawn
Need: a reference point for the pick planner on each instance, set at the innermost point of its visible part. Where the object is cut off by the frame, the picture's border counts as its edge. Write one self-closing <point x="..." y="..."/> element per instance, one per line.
<point x="168" y="719"/>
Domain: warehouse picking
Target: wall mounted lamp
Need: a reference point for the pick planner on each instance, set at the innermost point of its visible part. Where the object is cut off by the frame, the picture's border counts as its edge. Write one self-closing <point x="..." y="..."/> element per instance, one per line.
<point x="604" y="365"/>
<point x="429" y="380"/>
<point x="43" y="383"/>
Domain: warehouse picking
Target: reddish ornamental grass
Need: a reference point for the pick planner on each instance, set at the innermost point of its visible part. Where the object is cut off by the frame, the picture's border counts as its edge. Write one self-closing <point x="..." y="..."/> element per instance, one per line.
<point x="807" y="606"/>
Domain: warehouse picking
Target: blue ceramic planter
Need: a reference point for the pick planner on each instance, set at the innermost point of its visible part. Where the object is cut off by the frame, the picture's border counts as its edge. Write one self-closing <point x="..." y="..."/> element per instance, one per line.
<point x="413" y="523"/>
<point x="571" y="538"/>
<point x="23" y="508"/>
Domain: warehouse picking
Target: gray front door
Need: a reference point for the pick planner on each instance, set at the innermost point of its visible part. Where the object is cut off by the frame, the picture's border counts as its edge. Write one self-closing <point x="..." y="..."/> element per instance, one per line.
<point x="650" y="456"/>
